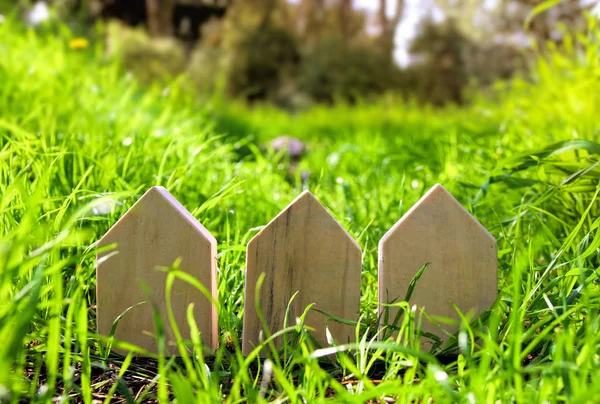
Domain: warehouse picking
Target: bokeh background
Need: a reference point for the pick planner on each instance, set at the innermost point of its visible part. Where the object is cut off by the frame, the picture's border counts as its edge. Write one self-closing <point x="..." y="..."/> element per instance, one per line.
<point x="236" y="107"/>
<point x="295" y="53"/>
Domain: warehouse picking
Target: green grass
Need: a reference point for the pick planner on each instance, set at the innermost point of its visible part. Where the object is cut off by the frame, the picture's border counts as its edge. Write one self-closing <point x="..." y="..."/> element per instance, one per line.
<point x="80" y="141"/>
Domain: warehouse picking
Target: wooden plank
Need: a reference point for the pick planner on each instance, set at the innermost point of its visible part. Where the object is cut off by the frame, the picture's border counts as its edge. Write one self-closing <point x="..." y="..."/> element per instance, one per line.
<point x="462" y="254"/>
<point x="302" y="249"/>
<point x="156" y="231"/>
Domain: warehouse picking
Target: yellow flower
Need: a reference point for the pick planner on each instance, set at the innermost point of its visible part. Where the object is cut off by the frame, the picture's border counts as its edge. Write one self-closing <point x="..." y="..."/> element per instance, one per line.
<point x="78" y="43"/>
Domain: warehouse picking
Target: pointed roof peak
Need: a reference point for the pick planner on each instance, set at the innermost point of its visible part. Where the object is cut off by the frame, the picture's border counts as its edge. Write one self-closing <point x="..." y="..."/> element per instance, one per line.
<point x="157" y="188"/>
<point x="304" y="198"/>
<point x="437" y="189"/>
<point x="306" y="194"/>
<point x="157" y="191"/>
<point x="435" y="192"/>
<point x="163" y="194"/>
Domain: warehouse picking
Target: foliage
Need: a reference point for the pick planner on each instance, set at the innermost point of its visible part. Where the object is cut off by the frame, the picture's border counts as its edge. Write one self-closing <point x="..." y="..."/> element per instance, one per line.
<point x="259" y="62"/>
<point x="279" y="55"/>
<point x="149" y="59"/>
<point x="477" y="44"/>
<point x="80" y="140"/>
<point x="447" y="63"/>
<point x="440" y="73"/>
<point x="334" y="68"/>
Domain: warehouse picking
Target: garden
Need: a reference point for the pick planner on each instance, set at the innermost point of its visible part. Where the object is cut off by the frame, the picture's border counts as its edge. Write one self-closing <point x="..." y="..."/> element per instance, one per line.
<point x="82" y="138"/>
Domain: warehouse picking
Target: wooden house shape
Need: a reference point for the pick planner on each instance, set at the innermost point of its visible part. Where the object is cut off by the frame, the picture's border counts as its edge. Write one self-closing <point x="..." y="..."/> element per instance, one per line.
<point x="462" y="256"/>
<point x="156" y="231"/>
<point x="305" y="250"/>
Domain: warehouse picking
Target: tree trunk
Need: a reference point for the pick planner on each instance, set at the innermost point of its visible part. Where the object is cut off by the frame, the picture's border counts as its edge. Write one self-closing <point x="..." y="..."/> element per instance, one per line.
<point x="269" y="8"/>
<point x="386" y="43"/>
<point x="388" y="27"/>
<point x="345" y="14"/>
<point x="160" y="17"/>
<point x="312" y="11"/>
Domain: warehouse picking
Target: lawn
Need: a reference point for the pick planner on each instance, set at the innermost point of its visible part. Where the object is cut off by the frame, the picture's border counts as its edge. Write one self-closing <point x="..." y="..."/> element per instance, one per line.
<point x="81" y="140"/>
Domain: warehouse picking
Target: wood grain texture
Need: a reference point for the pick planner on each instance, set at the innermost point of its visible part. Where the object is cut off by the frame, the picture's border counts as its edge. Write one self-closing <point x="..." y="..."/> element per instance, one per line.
<point x="462" y="254"/>
<point x="303" y="249"/>
<point x="156" y="231"/>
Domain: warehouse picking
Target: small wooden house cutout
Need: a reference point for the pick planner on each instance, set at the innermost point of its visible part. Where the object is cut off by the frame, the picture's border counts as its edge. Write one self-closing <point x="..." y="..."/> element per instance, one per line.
<point x="302" y="249"/>
<point x="462" y="256"/>
<point x="156" y="231"/>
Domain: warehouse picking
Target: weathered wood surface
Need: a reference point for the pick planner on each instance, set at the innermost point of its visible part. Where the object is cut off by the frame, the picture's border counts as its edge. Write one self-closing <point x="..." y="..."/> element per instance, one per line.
<point x="302" y="249"/>
<point x="462" y="254"/>
<point x="156" y="231"/>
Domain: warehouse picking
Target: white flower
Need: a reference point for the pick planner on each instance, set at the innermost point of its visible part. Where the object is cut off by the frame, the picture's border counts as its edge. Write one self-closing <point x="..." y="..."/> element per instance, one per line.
<point x="38" y="14"/>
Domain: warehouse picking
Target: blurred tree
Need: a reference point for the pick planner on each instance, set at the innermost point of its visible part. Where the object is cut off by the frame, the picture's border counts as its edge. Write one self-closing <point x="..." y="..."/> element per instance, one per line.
<point x="340" y="60"/>
<point x="290" y="53"/>
<point x="439" y="72"/>
<point x="479" y="43"/>
<point x="260" y="50"/>
<point x="335" y="69"/>
<point x="388" y="27"/>
<point x="544" y="26"/>
<point x="315" y="19"/>
<point x="319" y="50"/>
<point x="149" y="58"/>
<point x="504" y="20"/>
<point x="345" y="10"/>
<point x="160" y="17"/>
<point x="311" y="15"/>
